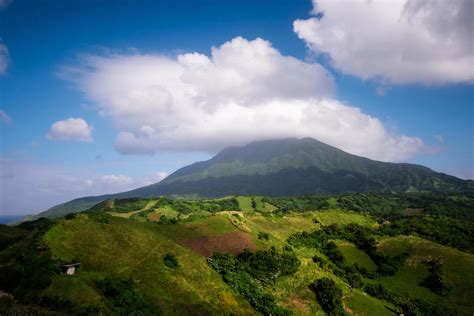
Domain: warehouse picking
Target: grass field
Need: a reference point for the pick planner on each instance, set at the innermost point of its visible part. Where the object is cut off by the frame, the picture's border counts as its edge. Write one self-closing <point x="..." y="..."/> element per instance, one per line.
<point x="354" y="255"/>
<point x="344" y="218"/>
<point x="132" y="244"/>
<point x="458" y="268"/>
<point x="132" y="249"/>
<point x="245" y="203"/>
<point x="359" y="303"/>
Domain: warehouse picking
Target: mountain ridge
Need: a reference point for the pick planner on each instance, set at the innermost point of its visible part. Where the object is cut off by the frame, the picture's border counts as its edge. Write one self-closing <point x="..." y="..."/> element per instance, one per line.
<point x="284" y="167"/>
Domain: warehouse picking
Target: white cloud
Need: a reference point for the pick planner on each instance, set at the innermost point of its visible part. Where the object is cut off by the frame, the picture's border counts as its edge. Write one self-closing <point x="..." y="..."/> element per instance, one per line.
<point x="42" y="186"/>
<point x="4" y="57"/>
<point x="245" y="91"/>
<point x="398" y="41"/>
<point x="4" y="118"/>
<point x="71" y="129"/>
<point x="116" y="180"/>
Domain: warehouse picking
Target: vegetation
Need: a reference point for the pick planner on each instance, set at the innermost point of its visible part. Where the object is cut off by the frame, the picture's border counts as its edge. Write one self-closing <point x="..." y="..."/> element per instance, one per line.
<point x="123" y="299"/>
<point x="295" y="167"/>
<point x="27" y="266"/>
<point x="9" y="235"/>
<point x="435" y="280"/>
<point x="248" y="272"/>
<point x="263" y="236"/>
<point x="382" y="254"/>
<point x="329" y="296"/>
<point x="446" y="231"/>
<point x="171" y="261"/>
<point x="360" y="236"/>
<point x="299" y="204"/>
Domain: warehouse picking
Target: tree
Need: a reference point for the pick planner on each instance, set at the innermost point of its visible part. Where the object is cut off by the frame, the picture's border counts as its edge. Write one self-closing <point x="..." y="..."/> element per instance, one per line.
<point x="329" y="296"/>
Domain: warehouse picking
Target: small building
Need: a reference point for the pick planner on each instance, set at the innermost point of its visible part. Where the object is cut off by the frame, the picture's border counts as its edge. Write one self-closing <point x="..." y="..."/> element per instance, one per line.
<point x="70" y="268"/>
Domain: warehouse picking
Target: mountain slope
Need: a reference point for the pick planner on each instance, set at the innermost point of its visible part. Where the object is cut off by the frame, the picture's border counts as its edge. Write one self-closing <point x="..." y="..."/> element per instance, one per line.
<point x="286" y="167"/>
<point x="298" y="166"/>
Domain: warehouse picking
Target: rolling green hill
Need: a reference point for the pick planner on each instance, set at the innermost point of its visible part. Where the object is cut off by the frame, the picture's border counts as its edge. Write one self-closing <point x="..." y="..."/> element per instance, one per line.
<point x="180" y="257"/>
<point x="282" y="168"/>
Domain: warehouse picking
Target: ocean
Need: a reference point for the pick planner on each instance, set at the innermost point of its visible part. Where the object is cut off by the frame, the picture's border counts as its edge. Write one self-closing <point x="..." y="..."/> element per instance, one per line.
<point x="5" y="219"/>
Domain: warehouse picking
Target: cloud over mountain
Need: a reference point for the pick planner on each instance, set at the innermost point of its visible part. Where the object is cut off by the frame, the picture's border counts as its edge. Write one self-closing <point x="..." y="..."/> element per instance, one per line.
<point x="398" y="41"/>
<point x="245" y="90"/>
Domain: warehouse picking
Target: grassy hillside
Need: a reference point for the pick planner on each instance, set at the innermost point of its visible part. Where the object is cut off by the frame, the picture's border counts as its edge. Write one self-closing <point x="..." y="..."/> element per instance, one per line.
<point x="158" y="256"/>
<point x="127" y="248"/>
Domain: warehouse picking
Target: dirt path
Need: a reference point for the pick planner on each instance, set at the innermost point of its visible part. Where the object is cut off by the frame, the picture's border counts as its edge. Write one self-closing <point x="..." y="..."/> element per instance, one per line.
<point x="142" y="259"/>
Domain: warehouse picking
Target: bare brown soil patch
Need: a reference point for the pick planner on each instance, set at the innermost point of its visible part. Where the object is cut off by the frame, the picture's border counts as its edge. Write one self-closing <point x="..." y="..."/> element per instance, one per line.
<point x="233" y="243"/>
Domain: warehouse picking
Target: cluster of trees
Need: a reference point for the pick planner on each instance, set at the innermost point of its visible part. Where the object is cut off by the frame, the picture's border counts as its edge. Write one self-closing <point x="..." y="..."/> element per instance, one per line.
<point x="27" y="266"/>
<point x="9" y="235"/>
<point x="354" y="275"/>
<point x="249" y="272"/>
<point x="391" y="206"/>
<point x="329" y="296"/>
<point x="27" y="270"/>
<point x="435" y="280"/>
<point x="360" y="236"/>
<point x="407" y="305"/>
<point x="453" y="233"/>
<point x="212" y="206"/>
<point x="299" y="204"/>
<point x="385" y="206"/>
<point x="123" y="299"/>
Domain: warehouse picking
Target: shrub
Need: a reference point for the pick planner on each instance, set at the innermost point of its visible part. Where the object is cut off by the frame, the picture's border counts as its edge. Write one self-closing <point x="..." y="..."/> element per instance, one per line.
<point x="100" y="217"/>
<point x="248" y="272"/>
<point x="70" y="216"/>
<point x="268" y="265"/>
<point x="122" y="298"/>
<point x="263" y="236"/>
<point x="329" y="296"/>
<point x="435" y="281"/>
<point x="254" y="205"/>
<point x="379" y="291"/>
<point x="171" y="261"/>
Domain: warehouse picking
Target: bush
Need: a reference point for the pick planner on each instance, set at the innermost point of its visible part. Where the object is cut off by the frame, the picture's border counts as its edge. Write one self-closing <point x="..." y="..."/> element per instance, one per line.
<point x="248" y="272"/>
<point x="268" y="265"/>
<point x="171" y="261"/>
<point x="379" y="291"/>
<point x="244" y="284"/>
<point x="122" y="298"/>
<point x="100" y="217"/>
<point x="329" y="296"/>
<point x="70" y="216"/>
<point x="435" y="281"/>
<point x="254" y="205"/>
<point x="263" y="236"/>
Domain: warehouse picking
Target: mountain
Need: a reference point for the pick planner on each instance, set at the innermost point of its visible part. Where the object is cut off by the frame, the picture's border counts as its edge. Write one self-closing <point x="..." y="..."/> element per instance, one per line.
<point x="285" y="167"/>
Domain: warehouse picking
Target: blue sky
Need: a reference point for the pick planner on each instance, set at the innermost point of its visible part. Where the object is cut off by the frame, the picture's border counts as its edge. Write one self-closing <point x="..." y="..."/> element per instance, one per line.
<point x="66" y="130"/>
